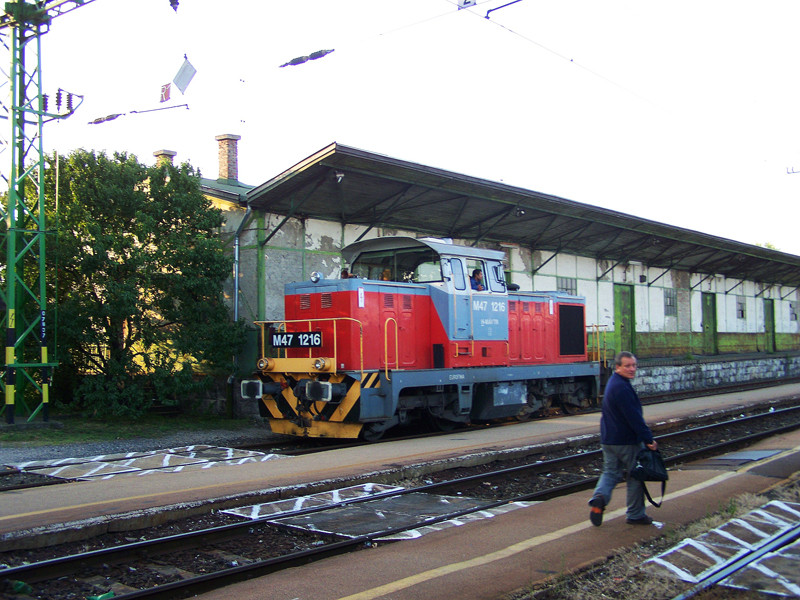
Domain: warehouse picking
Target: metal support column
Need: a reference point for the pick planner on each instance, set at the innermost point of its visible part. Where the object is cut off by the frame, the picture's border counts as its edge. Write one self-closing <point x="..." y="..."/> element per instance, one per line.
<point x="23" y="275"/>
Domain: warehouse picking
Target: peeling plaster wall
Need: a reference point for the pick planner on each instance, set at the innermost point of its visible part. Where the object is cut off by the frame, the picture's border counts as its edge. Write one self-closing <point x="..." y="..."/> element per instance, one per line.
<point x="649" y="285"/>
<point x="519" y="264"/>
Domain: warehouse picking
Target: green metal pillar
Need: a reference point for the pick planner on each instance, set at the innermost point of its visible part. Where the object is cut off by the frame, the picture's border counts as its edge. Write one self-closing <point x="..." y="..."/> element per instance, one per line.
<point x="24" y="294"/>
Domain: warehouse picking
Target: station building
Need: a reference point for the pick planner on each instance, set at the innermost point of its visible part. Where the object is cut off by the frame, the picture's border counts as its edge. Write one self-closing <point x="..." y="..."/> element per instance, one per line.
<point x="660" y="291"/>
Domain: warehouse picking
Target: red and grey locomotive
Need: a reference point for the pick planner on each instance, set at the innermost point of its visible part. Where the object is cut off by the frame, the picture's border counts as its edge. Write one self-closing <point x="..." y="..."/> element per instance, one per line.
<point x="406" y="338"/>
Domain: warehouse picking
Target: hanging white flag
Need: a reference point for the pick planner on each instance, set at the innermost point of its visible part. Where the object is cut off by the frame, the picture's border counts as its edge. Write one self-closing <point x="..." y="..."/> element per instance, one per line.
<point x="184" y="76"/>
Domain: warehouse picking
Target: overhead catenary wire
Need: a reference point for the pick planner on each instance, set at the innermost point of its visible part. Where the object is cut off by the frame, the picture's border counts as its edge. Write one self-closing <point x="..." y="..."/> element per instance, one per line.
<point x="558" y="54"/>
<point x="113" y="116"/>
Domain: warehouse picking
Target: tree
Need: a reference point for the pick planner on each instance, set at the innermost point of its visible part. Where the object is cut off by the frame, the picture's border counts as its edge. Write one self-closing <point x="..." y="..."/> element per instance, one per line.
<point x="139" y="269"/>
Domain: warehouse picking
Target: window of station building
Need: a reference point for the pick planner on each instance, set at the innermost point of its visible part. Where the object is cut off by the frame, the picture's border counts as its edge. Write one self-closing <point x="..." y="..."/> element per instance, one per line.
<point x="741" y="311"/>
<point x="670" y="302"/>
<point x="793" y="311"/>
<point x="568" y="285"/>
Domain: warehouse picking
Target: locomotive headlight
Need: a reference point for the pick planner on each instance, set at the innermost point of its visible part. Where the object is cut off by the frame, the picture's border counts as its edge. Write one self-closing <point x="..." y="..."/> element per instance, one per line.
<point x="265" y="364"/>
<point x="320" y="364"/>
<point x="316" y="276"/>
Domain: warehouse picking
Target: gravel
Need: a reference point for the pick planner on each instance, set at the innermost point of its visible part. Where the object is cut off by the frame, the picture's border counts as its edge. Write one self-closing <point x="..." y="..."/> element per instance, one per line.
<point x="255" y="434"/>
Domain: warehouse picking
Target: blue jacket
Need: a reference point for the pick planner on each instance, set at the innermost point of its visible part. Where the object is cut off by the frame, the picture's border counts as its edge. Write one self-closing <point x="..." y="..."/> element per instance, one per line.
<point x="622" y="422"/>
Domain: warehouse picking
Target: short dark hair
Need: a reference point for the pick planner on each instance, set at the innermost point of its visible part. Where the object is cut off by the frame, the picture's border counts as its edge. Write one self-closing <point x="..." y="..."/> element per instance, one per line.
<point x="476" y="271"/>
<point x="624" y="354"/>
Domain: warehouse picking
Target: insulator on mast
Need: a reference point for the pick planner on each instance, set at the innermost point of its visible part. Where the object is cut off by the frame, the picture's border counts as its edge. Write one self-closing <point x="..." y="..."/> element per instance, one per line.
<point x="58" y="99"/>
<point x="69" y="102"/>
<point x="174" y="5"/>
<point x="44" y="102"/>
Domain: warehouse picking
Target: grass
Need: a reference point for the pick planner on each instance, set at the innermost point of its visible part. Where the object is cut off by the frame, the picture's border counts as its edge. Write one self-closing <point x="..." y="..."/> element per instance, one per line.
<point x="68" y="429"/>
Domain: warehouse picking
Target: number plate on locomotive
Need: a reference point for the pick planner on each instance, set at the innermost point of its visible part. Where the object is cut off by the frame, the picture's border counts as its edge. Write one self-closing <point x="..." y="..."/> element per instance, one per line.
<point x="296" y="339"/>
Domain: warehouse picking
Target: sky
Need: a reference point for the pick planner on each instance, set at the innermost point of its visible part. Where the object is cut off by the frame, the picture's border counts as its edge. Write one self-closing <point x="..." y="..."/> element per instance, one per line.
<point x="680" y="112"/>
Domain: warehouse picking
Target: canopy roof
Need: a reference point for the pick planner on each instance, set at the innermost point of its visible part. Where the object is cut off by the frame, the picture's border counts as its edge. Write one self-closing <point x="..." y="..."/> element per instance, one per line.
<point x="348" y="185"/>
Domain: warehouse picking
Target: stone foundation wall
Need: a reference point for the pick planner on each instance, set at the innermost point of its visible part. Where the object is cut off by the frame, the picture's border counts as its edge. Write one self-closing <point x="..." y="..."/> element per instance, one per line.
<point x="657" y="379"/>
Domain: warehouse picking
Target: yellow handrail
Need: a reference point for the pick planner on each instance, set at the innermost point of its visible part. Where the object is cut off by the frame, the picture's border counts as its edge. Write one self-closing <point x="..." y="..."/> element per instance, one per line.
<point x="594" y="335"/>
<point x="386" y="346"/>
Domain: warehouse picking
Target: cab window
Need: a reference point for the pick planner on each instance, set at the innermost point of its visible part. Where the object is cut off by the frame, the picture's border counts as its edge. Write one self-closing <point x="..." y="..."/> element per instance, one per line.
<point x="477" y="265"/>
<point x="496" y="278"/>
<point x="416" y="265"/>
<point x="457" y="268"/>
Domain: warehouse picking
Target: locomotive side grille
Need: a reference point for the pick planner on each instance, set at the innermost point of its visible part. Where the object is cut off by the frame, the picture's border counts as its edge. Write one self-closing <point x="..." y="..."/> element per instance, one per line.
<point x="305" y="301"/>
<point x="526" y="307"/>
<point x="407" y="305"/>
<point x="512" y="305"/>
<point x="388" y="300"/>
<point x="326" y="300"/>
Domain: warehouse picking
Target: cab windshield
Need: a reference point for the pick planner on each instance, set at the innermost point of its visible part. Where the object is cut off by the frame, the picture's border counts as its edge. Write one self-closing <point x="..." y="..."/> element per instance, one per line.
<point x="412" y="265"/>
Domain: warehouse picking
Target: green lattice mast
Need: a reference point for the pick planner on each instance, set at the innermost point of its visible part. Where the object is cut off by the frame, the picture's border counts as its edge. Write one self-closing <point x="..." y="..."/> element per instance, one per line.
<point x="23" y="294"/>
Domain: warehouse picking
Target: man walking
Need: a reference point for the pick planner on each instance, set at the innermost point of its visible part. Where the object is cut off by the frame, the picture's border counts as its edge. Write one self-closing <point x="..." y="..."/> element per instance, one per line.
<point x="622" y="434"/>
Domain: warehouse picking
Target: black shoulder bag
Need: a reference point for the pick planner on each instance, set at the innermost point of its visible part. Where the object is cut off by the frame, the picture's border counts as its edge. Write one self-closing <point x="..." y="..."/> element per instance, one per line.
<point x="650" y="467"/>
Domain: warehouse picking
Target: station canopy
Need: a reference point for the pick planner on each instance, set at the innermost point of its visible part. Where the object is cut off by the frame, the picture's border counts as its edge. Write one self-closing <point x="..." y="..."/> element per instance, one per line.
<point x="347" y="185"/>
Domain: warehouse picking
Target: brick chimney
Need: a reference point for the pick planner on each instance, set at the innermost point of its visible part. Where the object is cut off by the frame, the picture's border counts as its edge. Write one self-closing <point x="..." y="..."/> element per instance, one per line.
<point x="164" y="157"/>
<point x="228" y="156"/>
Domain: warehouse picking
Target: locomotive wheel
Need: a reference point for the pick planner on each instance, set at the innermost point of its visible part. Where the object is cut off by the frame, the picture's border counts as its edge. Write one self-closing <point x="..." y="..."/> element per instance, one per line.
<point x="436" y="423"/>
<point x="568" y="407"/>
<point x="372" y="432"/>
<point x="445" y="424"/>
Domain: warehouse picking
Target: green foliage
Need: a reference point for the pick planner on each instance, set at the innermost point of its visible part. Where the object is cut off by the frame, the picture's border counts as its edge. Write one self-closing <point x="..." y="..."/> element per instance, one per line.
<point x="140" y="269"/>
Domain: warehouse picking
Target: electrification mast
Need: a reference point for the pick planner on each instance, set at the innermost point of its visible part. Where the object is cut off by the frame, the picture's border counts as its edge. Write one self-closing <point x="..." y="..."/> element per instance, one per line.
<point x="23" y="291"/>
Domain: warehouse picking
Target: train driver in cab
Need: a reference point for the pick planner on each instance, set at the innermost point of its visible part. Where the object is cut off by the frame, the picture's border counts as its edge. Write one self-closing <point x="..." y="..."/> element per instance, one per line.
<point x="476" y="280"/>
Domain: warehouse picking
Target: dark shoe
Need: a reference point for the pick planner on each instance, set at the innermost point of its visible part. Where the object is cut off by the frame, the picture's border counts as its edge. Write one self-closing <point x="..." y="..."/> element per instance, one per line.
<point x="645" y="520"/>
<point x="597" y="505"/>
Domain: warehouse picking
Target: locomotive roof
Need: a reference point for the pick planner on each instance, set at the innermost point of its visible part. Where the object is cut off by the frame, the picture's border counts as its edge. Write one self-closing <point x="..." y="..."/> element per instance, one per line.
<point x="351" y="252"/>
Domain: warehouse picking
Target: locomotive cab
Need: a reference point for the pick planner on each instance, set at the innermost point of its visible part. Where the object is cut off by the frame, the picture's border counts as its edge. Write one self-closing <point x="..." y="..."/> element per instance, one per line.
<point x="457" y="314"/>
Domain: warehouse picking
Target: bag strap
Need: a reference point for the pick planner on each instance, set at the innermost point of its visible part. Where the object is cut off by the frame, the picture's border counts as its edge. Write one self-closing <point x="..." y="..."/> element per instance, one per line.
<point x="663" y="489"/>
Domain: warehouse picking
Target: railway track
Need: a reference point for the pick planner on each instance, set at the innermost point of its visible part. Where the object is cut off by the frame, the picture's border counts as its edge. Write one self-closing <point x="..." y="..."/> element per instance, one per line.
<point x="490" y="486"/>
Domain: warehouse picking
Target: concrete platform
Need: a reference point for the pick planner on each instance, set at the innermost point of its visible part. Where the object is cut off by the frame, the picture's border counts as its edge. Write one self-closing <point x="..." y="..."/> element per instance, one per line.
<point x="97" y="502"/>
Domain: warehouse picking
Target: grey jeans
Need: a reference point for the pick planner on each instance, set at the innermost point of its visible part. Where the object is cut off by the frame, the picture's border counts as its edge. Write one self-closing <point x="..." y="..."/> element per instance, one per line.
<point x="617" y="463"/>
